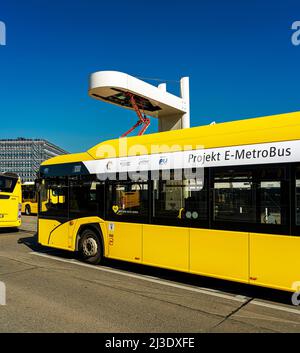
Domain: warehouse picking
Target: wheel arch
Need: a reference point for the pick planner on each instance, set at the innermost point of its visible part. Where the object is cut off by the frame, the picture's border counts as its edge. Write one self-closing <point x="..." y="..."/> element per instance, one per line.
<point x="95" y="227"/>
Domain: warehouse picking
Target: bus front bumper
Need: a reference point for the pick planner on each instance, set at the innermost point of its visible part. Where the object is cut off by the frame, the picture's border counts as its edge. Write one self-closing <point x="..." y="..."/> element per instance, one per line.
<point x="4" y="224"/>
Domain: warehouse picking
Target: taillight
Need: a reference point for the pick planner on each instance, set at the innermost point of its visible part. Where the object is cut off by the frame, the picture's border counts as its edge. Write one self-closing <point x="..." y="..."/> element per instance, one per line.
<point x="20" y="211"/>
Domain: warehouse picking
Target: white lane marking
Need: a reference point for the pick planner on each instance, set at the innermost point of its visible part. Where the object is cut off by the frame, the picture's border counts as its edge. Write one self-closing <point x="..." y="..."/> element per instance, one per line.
<point x="144" y="278"/>
<point x="276" y="307"/>
<point x="238" y="298"/>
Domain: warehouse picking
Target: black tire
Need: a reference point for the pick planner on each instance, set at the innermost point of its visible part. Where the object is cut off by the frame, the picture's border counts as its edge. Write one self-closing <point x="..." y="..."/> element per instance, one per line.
<point x="90" y="248"/>
<point x="27" y="210"/>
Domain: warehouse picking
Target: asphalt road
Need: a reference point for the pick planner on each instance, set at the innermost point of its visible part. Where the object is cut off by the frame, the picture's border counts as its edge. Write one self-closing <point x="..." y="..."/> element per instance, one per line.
<point x="51" y="291"/>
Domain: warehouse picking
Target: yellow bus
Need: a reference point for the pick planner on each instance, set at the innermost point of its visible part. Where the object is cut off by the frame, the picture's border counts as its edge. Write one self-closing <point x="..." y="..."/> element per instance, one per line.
<point x="29" y="198"/>
<point x="10" y="200"/>
<point x="219" y="200"/>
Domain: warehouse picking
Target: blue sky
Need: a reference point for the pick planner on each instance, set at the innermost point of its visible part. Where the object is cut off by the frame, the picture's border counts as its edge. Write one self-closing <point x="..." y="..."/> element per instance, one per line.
<point x="238" y="54"/>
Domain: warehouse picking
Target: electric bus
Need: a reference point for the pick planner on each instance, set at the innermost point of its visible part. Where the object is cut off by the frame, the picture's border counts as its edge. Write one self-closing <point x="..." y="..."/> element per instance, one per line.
<point x="10" y="200"/>
<point x="219" y="200"/>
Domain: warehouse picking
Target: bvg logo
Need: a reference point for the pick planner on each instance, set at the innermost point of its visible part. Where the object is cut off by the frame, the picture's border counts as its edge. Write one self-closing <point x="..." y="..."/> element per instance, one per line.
<point x="2" y="293"/>
<point x="163" y="161"/>
<point x="2" y="33"/>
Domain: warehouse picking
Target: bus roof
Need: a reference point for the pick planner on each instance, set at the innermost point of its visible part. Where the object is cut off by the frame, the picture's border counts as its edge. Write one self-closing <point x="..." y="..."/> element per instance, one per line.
<point x="274" y="128"/>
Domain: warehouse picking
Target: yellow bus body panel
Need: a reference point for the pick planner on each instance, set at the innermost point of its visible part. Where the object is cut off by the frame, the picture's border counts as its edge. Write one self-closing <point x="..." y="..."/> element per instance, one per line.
<point x="9" y="208"/>
<point x="125" y="241"/>
<point x="64" y="235"/>
<point x="259" y="259"/>
<point x="221" y="254"/>
<point x="166" y="247"/>
<point x="274" y="260"/>
<point x="13" y="224"/>
<point x="45" y="227"/>
<point x="59" y="235"/>
<point x="68" y="158"/>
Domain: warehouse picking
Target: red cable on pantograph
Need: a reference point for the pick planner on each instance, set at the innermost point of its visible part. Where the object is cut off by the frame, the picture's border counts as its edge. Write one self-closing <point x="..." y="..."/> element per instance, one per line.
<point x="143" y="120"/>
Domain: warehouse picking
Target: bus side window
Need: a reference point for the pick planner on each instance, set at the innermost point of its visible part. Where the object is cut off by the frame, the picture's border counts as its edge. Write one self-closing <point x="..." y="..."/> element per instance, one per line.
<point x="86" y="196"/>
<point x="272" y="207"/>
<point x="128" y="200"/>
<point x="250" y="195"/>
<point x="57" y="199"/>
<point x="233" y="196"/>
<point x="179" y="200"/>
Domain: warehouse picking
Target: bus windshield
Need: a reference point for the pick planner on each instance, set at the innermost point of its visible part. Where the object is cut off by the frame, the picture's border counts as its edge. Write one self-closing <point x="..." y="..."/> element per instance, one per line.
<point x="7" y="184"/>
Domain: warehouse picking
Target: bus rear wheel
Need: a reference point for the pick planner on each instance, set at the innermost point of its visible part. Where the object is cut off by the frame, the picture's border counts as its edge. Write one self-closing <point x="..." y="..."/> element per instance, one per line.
<point x="90" y="249"/>
<point x="27" y="210"/>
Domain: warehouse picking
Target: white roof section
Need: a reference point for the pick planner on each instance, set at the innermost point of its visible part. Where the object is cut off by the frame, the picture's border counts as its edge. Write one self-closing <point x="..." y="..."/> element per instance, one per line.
<point x="112" y="87"/>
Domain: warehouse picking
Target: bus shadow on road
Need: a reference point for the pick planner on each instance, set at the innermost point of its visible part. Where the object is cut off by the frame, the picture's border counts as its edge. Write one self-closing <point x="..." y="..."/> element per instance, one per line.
<point x="4" y="231"/>
<point x="32" y="243"/>
<point x="197" y="281"/>
<point x="206" y="283"/>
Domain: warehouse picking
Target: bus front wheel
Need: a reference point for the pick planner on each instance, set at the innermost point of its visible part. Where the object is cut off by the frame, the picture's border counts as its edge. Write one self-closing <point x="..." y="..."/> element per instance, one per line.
<point x="90" y="249"/>
<point x="27" y="210"/>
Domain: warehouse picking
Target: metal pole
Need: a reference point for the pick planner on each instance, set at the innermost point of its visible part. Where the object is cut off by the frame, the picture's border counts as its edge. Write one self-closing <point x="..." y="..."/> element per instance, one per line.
<point x="185" y="95"/>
